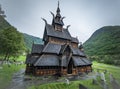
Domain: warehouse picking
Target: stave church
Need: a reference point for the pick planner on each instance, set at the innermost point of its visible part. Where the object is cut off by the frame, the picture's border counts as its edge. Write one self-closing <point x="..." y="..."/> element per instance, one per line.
<point x="60" y="54"/>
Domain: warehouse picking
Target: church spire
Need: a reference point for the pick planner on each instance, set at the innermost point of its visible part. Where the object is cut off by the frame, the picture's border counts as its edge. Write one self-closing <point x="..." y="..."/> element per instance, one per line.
<point x="58" y="11"/>
<point x="57" y="19"/>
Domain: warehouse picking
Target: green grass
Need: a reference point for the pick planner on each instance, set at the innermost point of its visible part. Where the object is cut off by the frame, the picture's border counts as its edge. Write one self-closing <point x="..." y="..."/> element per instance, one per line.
<point x="21" y="58"/>
<point x="6" y="74"/>
<point x="114" y="70"/>
<point x="72" y="85"/>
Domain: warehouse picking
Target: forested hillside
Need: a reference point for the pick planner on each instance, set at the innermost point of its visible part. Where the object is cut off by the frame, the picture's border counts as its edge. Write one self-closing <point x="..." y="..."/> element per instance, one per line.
<point x="27" y="38"/>
<point x="3" y="23"/>
<point x="104" y="45"/>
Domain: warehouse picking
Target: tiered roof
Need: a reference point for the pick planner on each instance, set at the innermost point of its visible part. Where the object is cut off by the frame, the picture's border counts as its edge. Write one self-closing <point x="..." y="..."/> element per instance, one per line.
<point x="51" y="54"/>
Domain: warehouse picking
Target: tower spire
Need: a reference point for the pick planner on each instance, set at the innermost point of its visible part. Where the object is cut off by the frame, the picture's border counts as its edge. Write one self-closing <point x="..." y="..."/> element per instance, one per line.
<point x="57" y="19"/>
<point x="58" y="3"/>
<point x="58" y="11"/>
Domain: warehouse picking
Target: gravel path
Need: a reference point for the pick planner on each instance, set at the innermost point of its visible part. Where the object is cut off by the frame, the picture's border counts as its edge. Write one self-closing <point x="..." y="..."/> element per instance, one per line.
<point x="18" y="81"/>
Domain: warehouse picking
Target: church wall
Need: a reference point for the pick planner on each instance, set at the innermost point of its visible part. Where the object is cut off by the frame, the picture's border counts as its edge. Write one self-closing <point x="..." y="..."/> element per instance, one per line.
<point x="58" y="41"/>
<point x="45" y="71"/>
<point x="74" y="71"/>
<point x="84" y="69"/>
<point x="75" y="45"/>
<point x="58" y="28"/>
<point x="29" y="69"/>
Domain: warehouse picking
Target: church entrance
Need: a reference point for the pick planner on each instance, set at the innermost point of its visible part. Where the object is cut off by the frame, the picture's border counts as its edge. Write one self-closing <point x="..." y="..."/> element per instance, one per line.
<point x="70" y="65"/>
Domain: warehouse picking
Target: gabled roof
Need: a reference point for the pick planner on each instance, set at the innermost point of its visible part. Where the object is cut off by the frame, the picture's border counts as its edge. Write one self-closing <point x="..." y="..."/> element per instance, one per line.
<point x="63" y="47"/>
<point x="78" y="61"/>
<point x="87" y="61"/>
<point x="47" y="60"/>
<point x="52" y="48"/>
<point x="30" y="59"/>
<point x="64" y="34"/>
<point x="77" y="51"/>
<point x="37" y="48"/>
<point x="75" y="40"/>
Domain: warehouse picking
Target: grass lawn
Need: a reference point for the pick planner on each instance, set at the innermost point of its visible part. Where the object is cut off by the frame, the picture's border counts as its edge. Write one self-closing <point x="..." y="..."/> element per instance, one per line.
<point x="6" y="74"/>
<point x="115" y="71"/>
<point x="72" y="85"/>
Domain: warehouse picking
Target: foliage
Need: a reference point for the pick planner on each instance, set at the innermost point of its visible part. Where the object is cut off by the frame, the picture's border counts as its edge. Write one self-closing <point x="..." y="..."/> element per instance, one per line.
<point x="6" y="74"/>
<point x="104" y="45"/>
<point x="3" y="23"/>
<point x="11" y="42"/>
<point x="30" y="39"/>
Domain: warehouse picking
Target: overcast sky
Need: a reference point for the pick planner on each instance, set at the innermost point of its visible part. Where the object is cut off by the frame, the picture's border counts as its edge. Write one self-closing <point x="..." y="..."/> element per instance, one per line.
<point x="84" y="16"/>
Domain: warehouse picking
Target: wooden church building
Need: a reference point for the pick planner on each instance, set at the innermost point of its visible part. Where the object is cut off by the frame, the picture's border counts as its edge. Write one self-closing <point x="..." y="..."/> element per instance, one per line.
<point x="60" y="53"/>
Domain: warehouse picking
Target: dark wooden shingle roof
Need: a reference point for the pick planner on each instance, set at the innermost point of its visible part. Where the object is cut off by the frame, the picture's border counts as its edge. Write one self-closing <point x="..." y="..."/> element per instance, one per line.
<point x="87" y="61"/>
<point x="30" y="59"/>
<point x="75" y="40"/>
<point x="37" y="48"/>
<point x="77" y="51"/>
<point x="47" y="60"/>
<point x="78" y="61"/>
<point x="52" y="48"/>
<point x="64" y="34"/>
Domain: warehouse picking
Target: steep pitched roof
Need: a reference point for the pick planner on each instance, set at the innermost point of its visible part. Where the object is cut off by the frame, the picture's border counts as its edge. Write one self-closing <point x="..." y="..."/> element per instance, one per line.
<point x="52" y="48"/>
<point x="78" y="61"/>
<point x="31" y="59"/>
<point x="47" y="60"/>
<point x="64" y="34"/>
<point x="77" y="51"/>
<point x="75" y="40"/>
<point x="87" y="61"/>
<point x="37" y="48"/>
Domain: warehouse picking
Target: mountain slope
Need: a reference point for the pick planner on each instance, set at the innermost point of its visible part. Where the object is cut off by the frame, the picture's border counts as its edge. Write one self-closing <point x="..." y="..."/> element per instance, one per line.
<point x="3" y="23"/>
<point x="104" y="44"/>
<point x="27" y="38"/>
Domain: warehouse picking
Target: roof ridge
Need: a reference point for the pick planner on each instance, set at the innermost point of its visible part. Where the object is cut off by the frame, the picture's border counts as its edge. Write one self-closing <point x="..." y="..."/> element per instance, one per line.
<point x="45" y="47"/>
<point x="38" y="60"/>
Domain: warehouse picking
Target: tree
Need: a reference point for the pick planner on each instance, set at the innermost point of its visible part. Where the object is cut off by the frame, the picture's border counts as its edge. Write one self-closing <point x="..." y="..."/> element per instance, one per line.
<point x="11" y="43"/>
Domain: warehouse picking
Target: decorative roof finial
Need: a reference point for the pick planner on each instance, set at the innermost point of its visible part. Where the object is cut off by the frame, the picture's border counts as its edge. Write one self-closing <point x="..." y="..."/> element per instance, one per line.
<point x="44" y="20"/>
<point x="52" y="14"/>
<point x="58" y="3"/>
<point x="67" y="26"/>
<point x="58" y="9"/>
